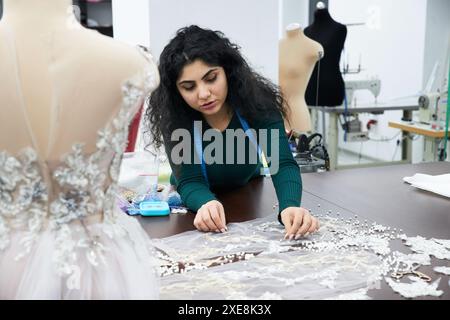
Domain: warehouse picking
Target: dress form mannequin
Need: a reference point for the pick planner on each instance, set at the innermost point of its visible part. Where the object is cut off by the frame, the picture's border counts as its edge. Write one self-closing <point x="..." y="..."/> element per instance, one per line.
<point x="67" y="95"/>
<point x="61" y="60"/>
<point x="297" y="57"/>
<point x="331" y="35"/>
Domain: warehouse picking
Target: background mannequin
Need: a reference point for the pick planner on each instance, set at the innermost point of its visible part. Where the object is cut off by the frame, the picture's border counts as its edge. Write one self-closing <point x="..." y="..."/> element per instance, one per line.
<point x="297" y="56"/>
<point x="331" y="35"/>
<point x="60" y="85"/>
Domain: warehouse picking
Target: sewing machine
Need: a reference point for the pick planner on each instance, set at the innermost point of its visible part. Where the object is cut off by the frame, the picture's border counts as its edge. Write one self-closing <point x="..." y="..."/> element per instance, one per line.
<point x="353" y="127"/>
<point x="373" y="85"/>
<point x="432" y="109"/>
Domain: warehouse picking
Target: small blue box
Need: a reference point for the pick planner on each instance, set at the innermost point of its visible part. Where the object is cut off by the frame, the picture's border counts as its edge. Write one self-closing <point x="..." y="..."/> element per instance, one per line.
<point x="154" y="208"/>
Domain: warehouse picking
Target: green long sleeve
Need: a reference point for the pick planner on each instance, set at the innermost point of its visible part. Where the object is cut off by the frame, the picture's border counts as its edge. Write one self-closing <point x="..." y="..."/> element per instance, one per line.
<point x="287" y="181"/>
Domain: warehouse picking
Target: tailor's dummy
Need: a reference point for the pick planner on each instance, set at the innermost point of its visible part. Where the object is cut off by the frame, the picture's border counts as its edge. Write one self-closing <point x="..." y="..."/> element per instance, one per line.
<point x="331" y="35"/>
<point x="63" y="68"/>
<point x="298" y="55"/>
<point x="61" y="86"/>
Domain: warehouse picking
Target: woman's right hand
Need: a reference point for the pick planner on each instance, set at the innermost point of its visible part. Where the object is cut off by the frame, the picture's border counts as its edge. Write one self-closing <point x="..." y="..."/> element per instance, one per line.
<point x="211" y="217"/>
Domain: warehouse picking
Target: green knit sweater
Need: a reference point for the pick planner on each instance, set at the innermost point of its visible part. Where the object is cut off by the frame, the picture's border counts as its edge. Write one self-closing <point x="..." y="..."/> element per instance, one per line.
<point x="196" y="191"/>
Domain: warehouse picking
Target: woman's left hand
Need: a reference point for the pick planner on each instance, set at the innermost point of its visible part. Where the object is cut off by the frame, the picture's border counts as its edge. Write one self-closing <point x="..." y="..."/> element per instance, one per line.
<point x="298" y="222"/>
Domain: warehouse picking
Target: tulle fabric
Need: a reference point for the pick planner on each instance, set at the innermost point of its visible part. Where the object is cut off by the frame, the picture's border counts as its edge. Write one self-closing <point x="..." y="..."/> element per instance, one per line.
<point x="129" y="271"/>
<point x="289" y="276"/>
<point x="321" y="266"/>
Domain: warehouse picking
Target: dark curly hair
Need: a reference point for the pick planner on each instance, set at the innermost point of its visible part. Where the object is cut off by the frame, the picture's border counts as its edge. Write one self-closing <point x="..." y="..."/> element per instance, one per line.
<point x="255" y="96"/>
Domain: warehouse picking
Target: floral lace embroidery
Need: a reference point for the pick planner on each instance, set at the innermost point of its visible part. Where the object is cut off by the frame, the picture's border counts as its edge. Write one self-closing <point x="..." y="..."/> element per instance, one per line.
<point x="23" y="197"/>
<point x="439" y="248"/>
<point x="416" y="288"/>
<point x="443" y="270"/>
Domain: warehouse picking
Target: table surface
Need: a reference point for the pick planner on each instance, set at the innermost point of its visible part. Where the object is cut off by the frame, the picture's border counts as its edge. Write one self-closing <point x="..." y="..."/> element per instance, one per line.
<point x="377" y="194"/>
<point x="381" y="195"/>
<point x="417" y="128"/>
<point x="379" y="107"/>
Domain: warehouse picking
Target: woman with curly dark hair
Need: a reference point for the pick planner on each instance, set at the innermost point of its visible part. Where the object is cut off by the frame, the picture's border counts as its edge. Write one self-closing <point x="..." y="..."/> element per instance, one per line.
<point x="207" y="89"/>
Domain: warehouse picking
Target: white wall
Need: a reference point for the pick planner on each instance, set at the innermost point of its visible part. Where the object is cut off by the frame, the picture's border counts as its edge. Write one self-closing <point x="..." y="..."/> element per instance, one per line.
<point x="391" y="45"/>
<point x="294" y="11"/>
<point x="437" y="42"/>
<point x="437" y="38"/>
<point x="131" y="21"/>
<point x="252" y="24"/>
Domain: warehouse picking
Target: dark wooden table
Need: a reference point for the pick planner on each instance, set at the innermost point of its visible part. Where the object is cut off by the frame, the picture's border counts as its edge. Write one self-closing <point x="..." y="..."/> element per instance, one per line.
<point x="376" y="194"/>
<point x="379" y="194"/>
<point x="255" y="200"/>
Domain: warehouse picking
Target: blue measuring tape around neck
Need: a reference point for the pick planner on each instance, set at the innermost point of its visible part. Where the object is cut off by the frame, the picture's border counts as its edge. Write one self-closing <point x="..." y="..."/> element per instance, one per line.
<point x="199" y="147"/>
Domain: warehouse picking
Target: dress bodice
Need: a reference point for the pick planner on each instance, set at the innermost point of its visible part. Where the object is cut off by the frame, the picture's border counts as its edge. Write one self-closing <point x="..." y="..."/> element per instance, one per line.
<point x="36" y="192"/>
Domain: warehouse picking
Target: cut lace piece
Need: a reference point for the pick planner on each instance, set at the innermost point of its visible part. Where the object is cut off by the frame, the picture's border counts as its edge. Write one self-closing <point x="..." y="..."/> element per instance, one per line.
<point x="435" y="247"/>
<point x="416" y="288"/>
<point x="443" y="270"/>
<point x="399" y="261"/>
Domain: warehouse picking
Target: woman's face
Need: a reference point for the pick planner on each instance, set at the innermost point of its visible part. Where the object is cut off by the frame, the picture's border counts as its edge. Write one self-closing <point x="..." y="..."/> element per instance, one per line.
<point x="203" y="87"/>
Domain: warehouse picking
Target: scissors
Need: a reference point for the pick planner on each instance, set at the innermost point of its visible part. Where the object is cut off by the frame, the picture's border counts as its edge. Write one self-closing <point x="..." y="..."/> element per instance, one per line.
<point x="411" y="271"/>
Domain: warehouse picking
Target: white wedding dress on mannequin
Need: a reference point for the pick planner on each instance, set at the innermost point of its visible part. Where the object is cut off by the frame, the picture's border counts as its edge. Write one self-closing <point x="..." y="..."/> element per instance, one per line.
<point x="61" y="234"/>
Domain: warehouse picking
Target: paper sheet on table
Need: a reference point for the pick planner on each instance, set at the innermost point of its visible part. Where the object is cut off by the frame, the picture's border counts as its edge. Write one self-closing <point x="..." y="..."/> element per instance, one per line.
<point x="439" y="184"/>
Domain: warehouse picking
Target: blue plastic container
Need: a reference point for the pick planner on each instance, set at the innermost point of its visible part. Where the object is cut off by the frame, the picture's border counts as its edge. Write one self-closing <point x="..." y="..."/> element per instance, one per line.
<point x="154" y="208"/>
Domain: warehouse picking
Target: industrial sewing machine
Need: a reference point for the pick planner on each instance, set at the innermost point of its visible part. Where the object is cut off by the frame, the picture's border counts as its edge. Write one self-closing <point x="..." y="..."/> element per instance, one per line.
<point x="353" y="127"/>
<point x="373" y="85"/>
<point x="432" y="109"/>
<point x="433" y="99"/>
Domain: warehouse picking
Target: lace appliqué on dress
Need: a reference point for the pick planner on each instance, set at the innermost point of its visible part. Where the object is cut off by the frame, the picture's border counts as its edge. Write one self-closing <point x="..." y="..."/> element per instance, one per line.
<point x="81" y="178"/>
<point x="23" y="198"/>
<point x="84" y="181"/>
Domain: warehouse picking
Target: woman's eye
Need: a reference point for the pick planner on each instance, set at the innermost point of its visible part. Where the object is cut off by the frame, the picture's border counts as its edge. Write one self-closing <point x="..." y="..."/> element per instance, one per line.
<point x="211" y="79"/>
<point x="188" y="88"/>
